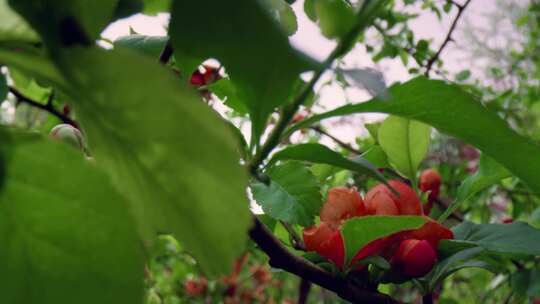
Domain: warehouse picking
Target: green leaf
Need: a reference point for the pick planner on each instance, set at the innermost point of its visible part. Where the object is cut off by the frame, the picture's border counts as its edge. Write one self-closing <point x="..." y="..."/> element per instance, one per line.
<point x="68" y="236"/>
<point x="317" y="153"/>
<point x="463" y="75"/>
<point x="33" y="65"/>
<point x="489" y="172"/>
<point x="454" y="112"/>
<point x="236" y="39"/>
<point x="373" y="129"/>
<point x="177" y="180"/>
<point x="448" y="266"/>
<point x="283" y="14"/>
<point x="376" y="156"/>
<point x="336" y="17"/>
<point x="3" y="87"/>
<point x="126" y="8"/>
<point x="226" y="91"/>
<point x="13" y="27"/>
<point x="153" y="7"/>
<point x="309" y="9"/>
<point x="293" y="195"/>
<point x="515" y="238"/>
<point x="65" y="22"/>
<point x="405" y="142"/>
<point x="374" y="260"/>
<point x="358" y="232"/>
<point x="148" y="45"/>
<point x="139" y="119"/>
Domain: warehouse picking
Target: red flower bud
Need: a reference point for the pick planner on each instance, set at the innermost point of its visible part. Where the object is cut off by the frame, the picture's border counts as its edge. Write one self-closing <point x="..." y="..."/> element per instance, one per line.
<point x="415" y="257"/>
<point x="326" y="241"/>
<point x="197" y="79"/>
<point x="430" y="180"/>
<point x="195" y="287"/>
<point x="298" y="117"/>
<point x="380" y="198"/>
<point x="342" y="204"/>
<point x="507" y="220"/>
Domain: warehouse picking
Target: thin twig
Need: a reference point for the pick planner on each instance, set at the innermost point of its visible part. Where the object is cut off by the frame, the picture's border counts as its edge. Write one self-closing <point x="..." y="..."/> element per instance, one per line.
<point x="303" y="291"/>
<point x="427" y="298"/>
<point x="336" y="140"/>
<point x="166" y="53"/>
<point x="281" y="258"/>
<point x="296" y="240"/>
<point x="45" y="107"/>
<point x="435" y="57"/>
<point x="456" y="214"/>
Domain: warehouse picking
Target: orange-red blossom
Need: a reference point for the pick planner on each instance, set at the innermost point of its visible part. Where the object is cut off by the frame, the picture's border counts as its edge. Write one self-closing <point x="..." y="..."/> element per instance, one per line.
<point x="412" y="252"/>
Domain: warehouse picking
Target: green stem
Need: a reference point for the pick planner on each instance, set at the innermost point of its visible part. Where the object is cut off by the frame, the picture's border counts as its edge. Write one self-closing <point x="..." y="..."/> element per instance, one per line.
<point x="365" y="17"/>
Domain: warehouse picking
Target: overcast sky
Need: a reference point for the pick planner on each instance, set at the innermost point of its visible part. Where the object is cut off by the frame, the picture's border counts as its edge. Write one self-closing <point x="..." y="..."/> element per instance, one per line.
<point x="309" y="39"/>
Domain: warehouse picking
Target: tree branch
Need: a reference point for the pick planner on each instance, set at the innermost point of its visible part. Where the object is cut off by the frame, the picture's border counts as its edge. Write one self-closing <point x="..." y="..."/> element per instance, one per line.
<point x="435" y="57"/>
<point x="45" y="107"/>
<point x="281" y="258"/>
<point x="303" y="291"/>
<point x="336" y="140"/>
<point x="166" y="53"/>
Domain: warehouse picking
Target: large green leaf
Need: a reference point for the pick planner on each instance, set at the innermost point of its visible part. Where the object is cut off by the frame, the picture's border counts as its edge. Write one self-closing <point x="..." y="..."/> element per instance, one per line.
<point x="13" y="27"/>
<point x="140" y="121"/>
<point x="66" y="233"/>
<point x="515" y="238"/>
<point x="317" y="153"/>
<point x="67" y="22"/>
<point x="293" y="194"/>
<point x="242" y="36"/>
<point x="455" y="112"/>
<point x="359" y="231"/>
<point x="405" y="142"/>
<point x="489" y="172"/>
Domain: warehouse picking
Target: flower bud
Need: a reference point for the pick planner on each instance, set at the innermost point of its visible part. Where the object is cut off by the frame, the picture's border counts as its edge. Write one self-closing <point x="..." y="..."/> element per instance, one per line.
<point x="430" y="180"/>
<point x="341" y="204"/>
<point x="195" y="287"/>
<point x="68" y="134"/>
<point x="326" y="241"/>
<point x="415" y="258"/>
<point x="378" y="200"/>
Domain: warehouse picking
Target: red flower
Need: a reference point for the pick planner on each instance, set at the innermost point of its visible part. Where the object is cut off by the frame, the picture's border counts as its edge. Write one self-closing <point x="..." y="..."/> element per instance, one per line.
<point x="414" y="257"/>
<point x="430" y="180"/>
<point x="343" y="204"/>
<point x="380" y="200"/>
<point x="195" y="287"/>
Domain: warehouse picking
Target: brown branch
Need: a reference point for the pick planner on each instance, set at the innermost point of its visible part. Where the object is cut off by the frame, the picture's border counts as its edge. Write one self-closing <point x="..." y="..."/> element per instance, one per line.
<point x="443" y="205"/>
<point x="281" y="258"/>
<point x="338" y="141"/>
<point x="303" y="291"/>
<point x="427" y="298"/>
<point x="435" y="57"/>
<point x="45" y="107"/>
<point x="166" y="53"/>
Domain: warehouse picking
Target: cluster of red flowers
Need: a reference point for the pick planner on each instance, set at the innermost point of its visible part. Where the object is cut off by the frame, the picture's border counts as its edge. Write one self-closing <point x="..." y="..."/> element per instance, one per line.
<point x="410" y="252"/>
